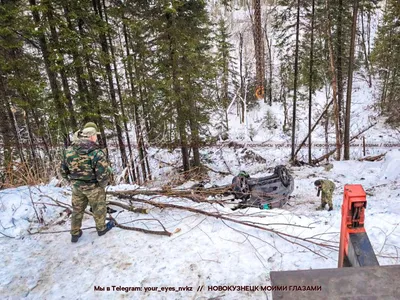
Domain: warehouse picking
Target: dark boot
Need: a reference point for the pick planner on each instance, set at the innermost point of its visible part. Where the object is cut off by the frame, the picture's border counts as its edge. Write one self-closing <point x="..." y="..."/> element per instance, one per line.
<point x="109" y="225"/>
<point x="75" y="238"/>
<point x="330" y="208"/>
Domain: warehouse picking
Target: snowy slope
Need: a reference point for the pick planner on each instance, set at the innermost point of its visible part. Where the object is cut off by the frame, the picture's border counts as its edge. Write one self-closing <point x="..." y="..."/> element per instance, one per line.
<point x="205" y="252"/>
<point x="364" y="113"/>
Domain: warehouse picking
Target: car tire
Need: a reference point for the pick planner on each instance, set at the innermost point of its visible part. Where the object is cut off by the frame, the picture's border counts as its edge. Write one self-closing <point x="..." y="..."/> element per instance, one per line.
<point x="240" y="188"/>
<point x="284" y="175"/>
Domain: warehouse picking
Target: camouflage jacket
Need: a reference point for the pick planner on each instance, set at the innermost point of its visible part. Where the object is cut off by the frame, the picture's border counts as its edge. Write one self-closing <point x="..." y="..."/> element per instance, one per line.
<point x="85" y="164"/>
<point x="327" y="186"/>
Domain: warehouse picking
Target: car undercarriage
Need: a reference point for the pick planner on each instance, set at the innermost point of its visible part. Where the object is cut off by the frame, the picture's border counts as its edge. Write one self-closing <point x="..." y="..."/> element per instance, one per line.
<point x="265" y="192"/>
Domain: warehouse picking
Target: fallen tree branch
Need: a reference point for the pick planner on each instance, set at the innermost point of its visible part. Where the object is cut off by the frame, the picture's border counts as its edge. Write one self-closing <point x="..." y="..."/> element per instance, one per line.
<point x="327" y="155"/>
<point x="372" y="158"/>
<point x="301" y="245"/>
<point x="129" y="207"/>
<point x="64" y="205"/>
<point x="218" y="172"/>
<point x="219" y="216"/>
<point x="167" y="233"/>
<point x="312" y="128"/>
<point x="198" y="195"/>
<point x="175" y="192"/>
<point x="318" y="160"/>
<point x="253" y="236"/>
<point x="42" y="231"/>
<point x="11" y="237"/>
<point x="119" y="225"/>
<point x="164" y="232"/>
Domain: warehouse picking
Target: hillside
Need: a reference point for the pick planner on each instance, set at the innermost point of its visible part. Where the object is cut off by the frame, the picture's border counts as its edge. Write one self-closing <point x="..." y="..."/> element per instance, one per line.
<point x="212" y="254"/>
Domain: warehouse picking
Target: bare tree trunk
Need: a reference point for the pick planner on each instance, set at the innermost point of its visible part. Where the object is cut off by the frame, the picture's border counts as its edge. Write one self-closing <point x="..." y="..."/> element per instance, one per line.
<point x="326" y="135"/>
<point x="83" y="90"/>
<point x="269" y="84"/>
<point x="386" y="77"/>
<point x="149" y="176"/>
<point x="143" y="160"/>
<point x="93" y="96"/>
<point x="393" y="93"/>
<point x="182" y="133"/>
<point x="121" y="103"/>
<point x="5" y="132"/>
<point x="18" y="142"/>
<point x="138" y="125"/>
<point x="195" y="140"/>
<point x="149" y="132"/>
<point x="364" y="47"/>
<point x="258" y="45"/>
<point x="241" y="76"/>
<point x="339" y="67"/>
<point x="282" y="97"/>
<point x="45" y="144"/>
<point x="104" y="47"/>
<point x="129" y="78"/>
<point x="194" y="127"/>
<point x="35" y="161"/>
<point x="350" y="83"/>
<point x="313" y="127"/>
<point x="180" y="108"/>
<point x="285" y="112"/>
<point x="310" y="91"/>
<point x="9" y="119"/>
<point x="296" y="69"/>
<point x="369" y="35"/>
<point x="140" y="141"/>
<point x="51" y="74"/>
<point x="334" y="86"/>
<point x="60" y="61"/>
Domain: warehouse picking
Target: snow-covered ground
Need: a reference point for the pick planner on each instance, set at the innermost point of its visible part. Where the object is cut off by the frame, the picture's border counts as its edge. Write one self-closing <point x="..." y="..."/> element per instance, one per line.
<point x="366" y="126"/>
<point x="205" y="254"/>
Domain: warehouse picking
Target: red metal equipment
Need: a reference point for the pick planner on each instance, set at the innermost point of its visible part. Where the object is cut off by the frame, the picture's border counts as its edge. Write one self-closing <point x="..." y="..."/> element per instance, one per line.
<point x="369" y="282"/>
<point x="355" y="248"/>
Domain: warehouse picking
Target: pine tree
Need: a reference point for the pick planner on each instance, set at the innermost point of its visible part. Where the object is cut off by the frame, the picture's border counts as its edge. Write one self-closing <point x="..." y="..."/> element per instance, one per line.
<point x="184" y="65"/>
<point x="226" y="82"/>
<point x="350" y="82"/>
<point x="21" y="89"/>
<point x="60" y="121"/>
<point x="386" y="59"/>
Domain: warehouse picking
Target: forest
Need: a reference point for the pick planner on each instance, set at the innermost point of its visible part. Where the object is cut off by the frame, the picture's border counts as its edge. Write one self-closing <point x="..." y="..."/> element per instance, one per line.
<point x="162" y="73"/>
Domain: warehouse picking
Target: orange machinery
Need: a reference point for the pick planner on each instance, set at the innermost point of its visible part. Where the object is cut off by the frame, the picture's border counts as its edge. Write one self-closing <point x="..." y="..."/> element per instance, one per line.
<point x="369" y="282"/>
<point x="355" y="249"/>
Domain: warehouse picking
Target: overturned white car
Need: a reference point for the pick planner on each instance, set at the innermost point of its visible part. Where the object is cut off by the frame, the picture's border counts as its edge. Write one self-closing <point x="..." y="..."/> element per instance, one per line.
<point x="265" y="192"/>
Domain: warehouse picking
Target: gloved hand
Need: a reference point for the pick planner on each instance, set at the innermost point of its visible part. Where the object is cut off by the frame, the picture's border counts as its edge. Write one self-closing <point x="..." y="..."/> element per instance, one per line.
<point x="244" y="174"/>
<point x="319" y="191"/>
<point x="110" y="210"/>
<point x="110" y="224"/>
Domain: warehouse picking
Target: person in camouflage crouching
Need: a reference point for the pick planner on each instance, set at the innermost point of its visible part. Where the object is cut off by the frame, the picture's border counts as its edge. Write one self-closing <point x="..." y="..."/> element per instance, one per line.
<point x="326" y="187"/>
<point x="84" y="164"/>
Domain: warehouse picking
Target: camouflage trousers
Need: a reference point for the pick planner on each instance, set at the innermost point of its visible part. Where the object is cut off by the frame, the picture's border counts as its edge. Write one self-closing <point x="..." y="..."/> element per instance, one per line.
<point x="327" y="198"/>
<point x="96" y="197"/>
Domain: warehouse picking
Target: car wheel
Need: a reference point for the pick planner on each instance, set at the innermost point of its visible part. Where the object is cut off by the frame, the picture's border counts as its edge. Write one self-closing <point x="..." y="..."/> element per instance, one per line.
<point x="284" y="176"/>
<point x="240" y="187"/>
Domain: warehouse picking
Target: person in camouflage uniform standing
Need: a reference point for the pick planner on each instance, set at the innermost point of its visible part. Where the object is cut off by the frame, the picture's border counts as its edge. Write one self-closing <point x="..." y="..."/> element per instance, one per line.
<point x="84" y="164"/>
<point x="327" y="187"/>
